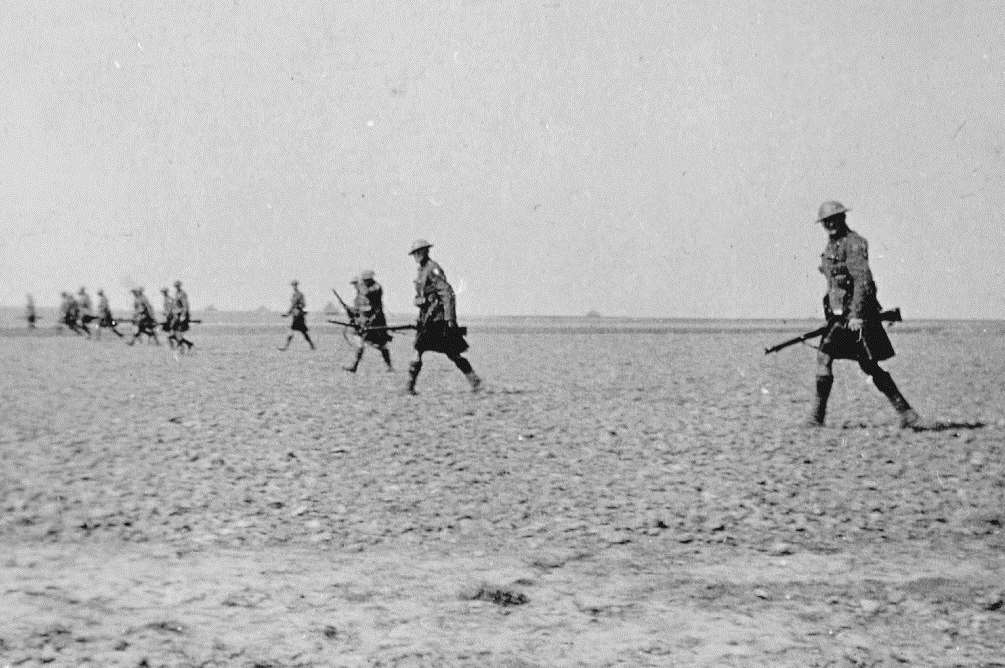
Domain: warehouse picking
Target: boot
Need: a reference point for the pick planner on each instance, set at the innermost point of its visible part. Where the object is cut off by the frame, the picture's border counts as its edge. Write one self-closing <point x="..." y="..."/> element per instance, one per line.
<point x="386" y="354"/>
<point x="816" y="418"/>
<point x="909" y="418"/>
<point x="355" y="363"/>
<point x="474" y="380"/>
<point x="413" y="373"/>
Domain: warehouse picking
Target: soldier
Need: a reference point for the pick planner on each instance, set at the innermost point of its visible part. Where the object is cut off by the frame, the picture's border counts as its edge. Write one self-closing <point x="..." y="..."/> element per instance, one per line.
<point x="167" y="326"/>
<point x="29" y="313"/>
<point x="143" y="317"/>
<point x="69" y="314"/>
<point x="437" y="328"/>
<point x="85" y="308"/>
<point x="299" y="315"/>
<point x="105" y="318"/>
<point x="368" y="311"/>
<point x="852" y="305"/>
<point x="181" y="317"/>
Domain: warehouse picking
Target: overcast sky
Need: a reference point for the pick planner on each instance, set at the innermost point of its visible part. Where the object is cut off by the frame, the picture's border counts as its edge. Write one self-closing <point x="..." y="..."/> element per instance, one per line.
<point x="637" y="158"/>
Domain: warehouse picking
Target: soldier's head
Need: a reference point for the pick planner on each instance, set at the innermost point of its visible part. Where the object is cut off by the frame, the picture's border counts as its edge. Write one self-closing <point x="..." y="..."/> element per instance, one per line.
<point x="420" y="250"/>
<point x="294" y="283"/>
<point x="177" y="285"/>
<point x="832" y="216"/>
<point x="164" y="291"/>
<point x="366" y="276"/>
<point x="101" y="292"/>
<point x="82" y="290"/>
<point x="354" y="281"/>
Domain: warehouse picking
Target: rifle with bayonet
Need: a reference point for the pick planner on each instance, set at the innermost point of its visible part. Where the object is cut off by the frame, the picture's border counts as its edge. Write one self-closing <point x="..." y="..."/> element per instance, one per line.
<point x="890" y="315"/>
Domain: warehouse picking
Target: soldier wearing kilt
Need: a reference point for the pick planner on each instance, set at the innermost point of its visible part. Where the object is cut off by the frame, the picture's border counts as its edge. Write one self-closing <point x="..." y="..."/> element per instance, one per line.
<point x="167" y="325"/>
<point x="144" y="322"/>
<point x="368" y="312"/>
<point x="181" y="317"/>
<point x="853" y="309"/>
<point x="298" y="313"/>
<point x="105" y="318"/>
<point x="437" y="329"/>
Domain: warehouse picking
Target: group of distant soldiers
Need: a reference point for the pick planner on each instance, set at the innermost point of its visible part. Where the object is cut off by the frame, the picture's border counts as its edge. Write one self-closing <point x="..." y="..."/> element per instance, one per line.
<point x="78" y="313"/>
<point x="436" y="327"/>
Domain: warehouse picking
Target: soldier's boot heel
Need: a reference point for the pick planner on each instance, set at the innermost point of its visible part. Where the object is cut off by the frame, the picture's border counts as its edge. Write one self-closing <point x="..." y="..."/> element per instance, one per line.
<point x="413" y="374"/>
<point x="819" y="412"/>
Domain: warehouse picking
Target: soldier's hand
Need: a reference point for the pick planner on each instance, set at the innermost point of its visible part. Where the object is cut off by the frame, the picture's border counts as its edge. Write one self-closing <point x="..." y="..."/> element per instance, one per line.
<point x="855" y="324"/>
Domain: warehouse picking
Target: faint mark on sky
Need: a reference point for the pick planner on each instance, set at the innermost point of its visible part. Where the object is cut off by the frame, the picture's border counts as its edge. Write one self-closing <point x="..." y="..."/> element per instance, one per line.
<point x="959" y="129"/>
<point x="128" y="282"/>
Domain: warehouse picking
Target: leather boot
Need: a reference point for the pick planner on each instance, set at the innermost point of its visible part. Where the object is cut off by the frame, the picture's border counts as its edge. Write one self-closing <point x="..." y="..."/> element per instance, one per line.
<point x="355" y="363"/>
<point x="413" y="373"/>
<point x="819" y="412"/>
<point x="909" y="418"/>
<point x="386" y="354"/>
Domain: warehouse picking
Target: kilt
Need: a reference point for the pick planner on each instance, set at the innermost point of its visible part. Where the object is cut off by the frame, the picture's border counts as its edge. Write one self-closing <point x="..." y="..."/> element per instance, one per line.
<point x="873" y="344"/>
<point x="299" y="322"/>
<point x="378" y="338"/>
<point x="438" y="337"/>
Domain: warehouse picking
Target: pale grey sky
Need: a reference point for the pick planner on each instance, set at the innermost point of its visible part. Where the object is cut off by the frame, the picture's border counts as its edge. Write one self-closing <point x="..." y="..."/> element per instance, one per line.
<point x="638" y="158"/>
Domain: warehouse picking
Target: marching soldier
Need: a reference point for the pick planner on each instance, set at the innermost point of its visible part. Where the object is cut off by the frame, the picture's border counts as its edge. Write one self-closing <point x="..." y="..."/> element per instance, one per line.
<point x="29" y="313"/>
<point x="167" y="326"/>
<point x="368" y="312"/>
<point x="852" y="305"/>
<point x="181" y="317"/>
<point x="69" y="314"/>
<point x="143" y="317"/>
<point x="298" y="313"/>
<point x="105" y="318"/>
<point x="85" y="308"/>
<point x="437" y="328"/>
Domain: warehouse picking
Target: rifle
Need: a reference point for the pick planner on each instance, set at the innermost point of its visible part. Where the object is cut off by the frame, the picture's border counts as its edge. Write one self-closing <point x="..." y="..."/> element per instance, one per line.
<point x="890" y="315"/>
<point x="360" y="329"/>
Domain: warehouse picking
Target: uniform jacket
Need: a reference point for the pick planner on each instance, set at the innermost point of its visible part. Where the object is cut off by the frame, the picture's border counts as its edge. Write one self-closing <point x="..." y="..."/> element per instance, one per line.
<point x="851" y="293"/>
<point x="433" y="294"/>
<point x="297" y="304"/>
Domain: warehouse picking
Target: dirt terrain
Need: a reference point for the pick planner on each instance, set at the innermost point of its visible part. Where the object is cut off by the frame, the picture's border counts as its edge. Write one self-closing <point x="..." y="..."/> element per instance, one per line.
<point x="620" y="494"/>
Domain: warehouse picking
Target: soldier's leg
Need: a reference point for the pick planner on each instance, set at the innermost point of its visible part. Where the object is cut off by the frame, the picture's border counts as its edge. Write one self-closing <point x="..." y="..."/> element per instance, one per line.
<point x="355" y="363"/>
<point x="884" y="383"/>
<point x="824" y="382"/>
<point x="413" y="372"/>
<point x="386" y="354"/>
<point x="286" y="345"/>
<point x="308" y="338"/>
<point x="465" y="366"/>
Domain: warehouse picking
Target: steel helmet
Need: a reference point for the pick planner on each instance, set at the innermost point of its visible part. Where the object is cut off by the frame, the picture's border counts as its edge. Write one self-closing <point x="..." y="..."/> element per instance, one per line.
<point x="831" y="208"/>
<point x="419" y="244"/>
<point x="354" y="280"/>
<point x="366" y="274"/>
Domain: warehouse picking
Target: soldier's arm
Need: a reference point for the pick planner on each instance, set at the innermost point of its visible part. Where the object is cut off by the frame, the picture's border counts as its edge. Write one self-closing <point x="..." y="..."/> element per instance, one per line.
<point x="446" y="295"/>
<point x="863" y="288"/>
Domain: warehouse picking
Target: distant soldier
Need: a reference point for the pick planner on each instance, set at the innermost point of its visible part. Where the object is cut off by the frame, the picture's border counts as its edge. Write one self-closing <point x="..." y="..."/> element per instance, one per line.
<point x="368" y="312"/>
<point x="85" y="308"/>
<point x="144" y="322"/>
<point x="298" y="313"/>
<point x="852" y="305"/>
<point x="167" y="325"/>
<point x="29" y="313"/>
<point x="105" y="319"/>
<point x="69" y="315"/>
<point x="437" y="325"/>
<point x="181" y="317"/>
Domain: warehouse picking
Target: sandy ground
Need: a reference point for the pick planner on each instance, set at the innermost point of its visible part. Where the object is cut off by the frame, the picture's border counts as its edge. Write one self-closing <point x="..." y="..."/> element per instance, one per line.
<point x="643" y="497"/>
